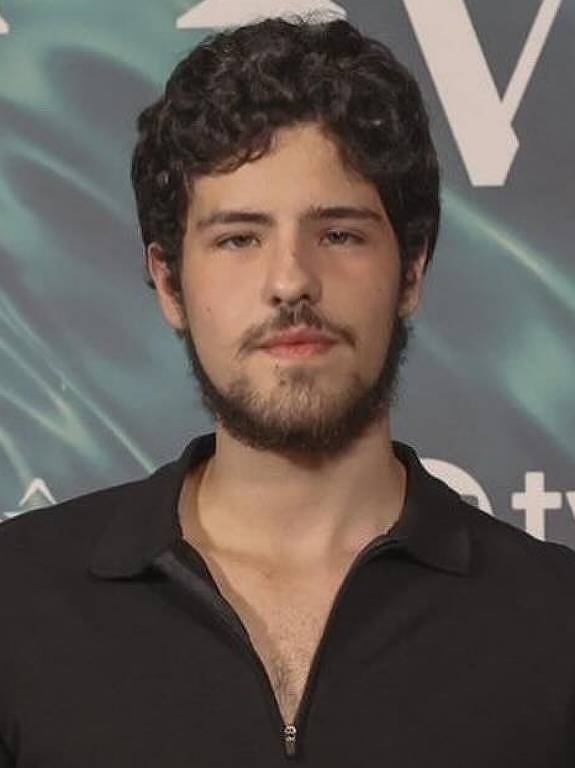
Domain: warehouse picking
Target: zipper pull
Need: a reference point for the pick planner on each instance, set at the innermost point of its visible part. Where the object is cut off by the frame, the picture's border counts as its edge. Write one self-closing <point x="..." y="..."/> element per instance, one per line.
<point x="290" y="733"/>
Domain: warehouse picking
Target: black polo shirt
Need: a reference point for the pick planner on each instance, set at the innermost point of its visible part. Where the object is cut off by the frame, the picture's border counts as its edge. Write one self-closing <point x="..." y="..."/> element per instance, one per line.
<point x="451" y="643"/>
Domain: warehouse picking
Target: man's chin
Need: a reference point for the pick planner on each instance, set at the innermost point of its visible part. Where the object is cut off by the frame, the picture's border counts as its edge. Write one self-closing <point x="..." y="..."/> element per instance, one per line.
<point x="302" y="419"/>
<point x="290" y="436"/>
<point x="306" y="423"/>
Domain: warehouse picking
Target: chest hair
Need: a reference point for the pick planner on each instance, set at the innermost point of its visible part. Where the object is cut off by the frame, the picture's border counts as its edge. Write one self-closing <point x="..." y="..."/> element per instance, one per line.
<point x="285" y="620"/>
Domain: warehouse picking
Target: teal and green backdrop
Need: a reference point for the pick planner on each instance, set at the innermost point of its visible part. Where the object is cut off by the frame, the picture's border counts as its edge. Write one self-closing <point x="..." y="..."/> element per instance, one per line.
<point x="94" y="389"/>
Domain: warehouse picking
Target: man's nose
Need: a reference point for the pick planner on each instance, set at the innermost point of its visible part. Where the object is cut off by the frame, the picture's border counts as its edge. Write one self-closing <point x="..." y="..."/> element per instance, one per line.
<point x="291" y="275"/>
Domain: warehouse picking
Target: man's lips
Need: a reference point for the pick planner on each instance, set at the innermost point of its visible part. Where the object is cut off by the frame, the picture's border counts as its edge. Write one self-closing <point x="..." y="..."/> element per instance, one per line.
<point x="297" y="337"/>
<point x="298" y="344"/>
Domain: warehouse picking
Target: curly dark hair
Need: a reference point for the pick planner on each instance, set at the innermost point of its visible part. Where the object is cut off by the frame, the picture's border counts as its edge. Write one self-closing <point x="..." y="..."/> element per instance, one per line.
<point x="225" y="100"/>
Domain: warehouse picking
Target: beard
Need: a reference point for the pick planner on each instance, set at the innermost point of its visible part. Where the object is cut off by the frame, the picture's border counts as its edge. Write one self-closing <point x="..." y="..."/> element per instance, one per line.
<point x="301" y="419"/>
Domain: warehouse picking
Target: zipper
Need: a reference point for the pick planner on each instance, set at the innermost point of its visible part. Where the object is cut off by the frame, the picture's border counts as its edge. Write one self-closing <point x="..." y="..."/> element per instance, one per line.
<point x="173" y="566"/>
<point x="292" y="731"/>
<point x="290" y="734"/>
<point x="172" y="563"/>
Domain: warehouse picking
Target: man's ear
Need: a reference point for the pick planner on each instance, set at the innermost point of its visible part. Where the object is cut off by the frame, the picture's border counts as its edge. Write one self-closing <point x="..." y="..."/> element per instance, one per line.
<point x="169" y="301"/>
<point x="413" y="285"/>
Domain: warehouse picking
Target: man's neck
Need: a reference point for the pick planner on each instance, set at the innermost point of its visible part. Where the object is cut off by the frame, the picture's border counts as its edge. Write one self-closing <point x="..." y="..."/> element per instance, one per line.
<point x="270" y="506"/>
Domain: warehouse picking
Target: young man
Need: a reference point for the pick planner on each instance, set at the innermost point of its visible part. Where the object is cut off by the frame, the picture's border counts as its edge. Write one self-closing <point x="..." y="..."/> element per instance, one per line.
<point x="295" y="587"/>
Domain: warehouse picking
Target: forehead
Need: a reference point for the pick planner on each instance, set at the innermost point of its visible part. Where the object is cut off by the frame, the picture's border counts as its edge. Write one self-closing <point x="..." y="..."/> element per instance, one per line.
<point x="303" y="168"/>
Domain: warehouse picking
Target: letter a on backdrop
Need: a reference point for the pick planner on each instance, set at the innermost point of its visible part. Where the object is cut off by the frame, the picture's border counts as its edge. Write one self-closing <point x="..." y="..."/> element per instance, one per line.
<point x="223" y="13"/>
<point x="479" y="118"/>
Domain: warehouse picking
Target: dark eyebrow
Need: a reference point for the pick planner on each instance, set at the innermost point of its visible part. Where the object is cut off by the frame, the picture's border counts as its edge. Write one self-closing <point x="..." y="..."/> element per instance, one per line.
<point x="315" y="213"/>
<point x="320" y="213"/>
<point x="234" y="217"/>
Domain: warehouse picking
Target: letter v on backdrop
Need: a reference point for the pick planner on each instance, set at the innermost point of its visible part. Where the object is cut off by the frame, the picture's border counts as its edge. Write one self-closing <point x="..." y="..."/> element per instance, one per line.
<point x="480" y="119"/>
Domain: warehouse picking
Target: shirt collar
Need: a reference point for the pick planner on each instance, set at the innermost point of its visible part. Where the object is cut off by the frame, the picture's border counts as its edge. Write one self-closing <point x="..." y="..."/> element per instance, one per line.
<point x="143" y="522"/>
<point x="434" y="523"/>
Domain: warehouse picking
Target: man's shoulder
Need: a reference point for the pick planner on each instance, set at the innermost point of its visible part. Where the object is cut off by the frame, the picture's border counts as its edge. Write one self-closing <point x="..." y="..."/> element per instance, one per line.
<point x="66" y="530"/>
<point x="73" y="525"/>
<point x="502" y="548"/>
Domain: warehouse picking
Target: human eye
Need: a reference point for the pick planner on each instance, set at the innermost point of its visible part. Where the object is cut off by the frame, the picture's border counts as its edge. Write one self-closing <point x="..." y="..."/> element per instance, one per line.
<point x="343" y="237"/>
<point x="236" y="242"/>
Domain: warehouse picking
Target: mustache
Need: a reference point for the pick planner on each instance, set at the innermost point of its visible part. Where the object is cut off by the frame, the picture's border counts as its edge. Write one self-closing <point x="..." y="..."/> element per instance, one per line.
<point x="302" y="315"/>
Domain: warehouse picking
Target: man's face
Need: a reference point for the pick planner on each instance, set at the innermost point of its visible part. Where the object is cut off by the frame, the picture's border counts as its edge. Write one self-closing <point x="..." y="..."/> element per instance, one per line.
<point x="294" y="241"/>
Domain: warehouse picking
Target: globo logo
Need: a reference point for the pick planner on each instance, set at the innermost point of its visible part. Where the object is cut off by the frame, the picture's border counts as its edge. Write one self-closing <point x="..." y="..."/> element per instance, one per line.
<point x="535" y="500"/>
<point x="460" y="481"/>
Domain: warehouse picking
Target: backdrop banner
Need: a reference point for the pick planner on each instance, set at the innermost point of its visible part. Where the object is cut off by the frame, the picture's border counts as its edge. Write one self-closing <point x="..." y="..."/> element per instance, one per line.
<point x="95" y="389"/>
